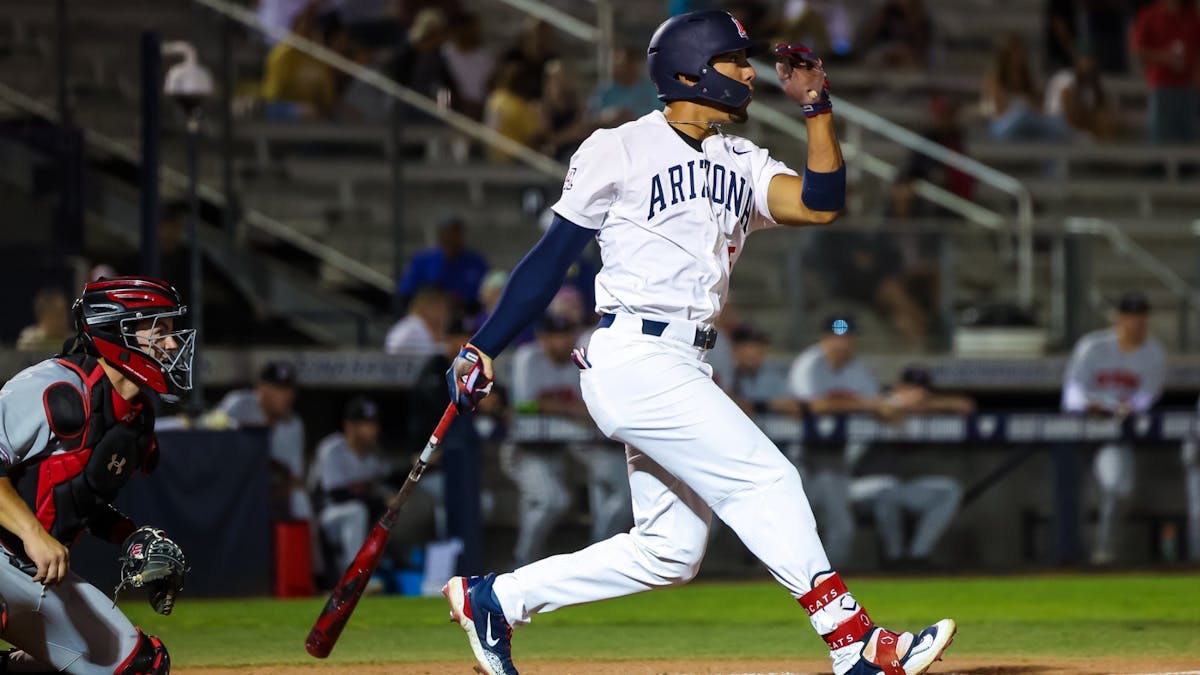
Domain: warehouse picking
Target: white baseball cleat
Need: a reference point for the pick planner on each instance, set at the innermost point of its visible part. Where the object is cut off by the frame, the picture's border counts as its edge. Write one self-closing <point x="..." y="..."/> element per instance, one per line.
<point x="882" y="649"/>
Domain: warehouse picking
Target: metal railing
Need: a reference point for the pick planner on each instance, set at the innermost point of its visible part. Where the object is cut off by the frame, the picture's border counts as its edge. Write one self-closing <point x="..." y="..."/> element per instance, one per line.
<point x="177" y="179"/>
<point x="1186" y="296"/>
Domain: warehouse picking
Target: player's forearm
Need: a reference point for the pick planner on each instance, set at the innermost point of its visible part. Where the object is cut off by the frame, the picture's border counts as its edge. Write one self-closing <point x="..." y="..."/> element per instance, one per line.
<point x="824" y="150"/>
<point x="839" y="406"/>
<point x="15" y="515"/>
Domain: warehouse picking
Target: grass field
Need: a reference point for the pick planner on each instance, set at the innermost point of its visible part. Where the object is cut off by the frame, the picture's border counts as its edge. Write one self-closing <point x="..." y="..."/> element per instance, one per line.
<point x="1134" y="615"/>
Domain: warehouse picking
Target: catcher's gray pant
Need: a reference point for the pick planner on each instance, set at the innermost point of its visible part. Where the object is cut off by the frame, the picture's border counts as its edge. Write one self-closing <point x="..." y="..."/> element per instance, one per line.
<point x="1113" y="468"/>
<point x="71" y="627"/>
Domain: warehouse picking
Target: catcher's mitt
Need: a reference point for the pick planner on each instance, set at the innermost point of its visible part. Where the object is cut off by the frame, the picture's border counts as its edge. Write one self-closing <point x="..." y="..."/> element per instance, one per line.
<point x="149" y="559"/>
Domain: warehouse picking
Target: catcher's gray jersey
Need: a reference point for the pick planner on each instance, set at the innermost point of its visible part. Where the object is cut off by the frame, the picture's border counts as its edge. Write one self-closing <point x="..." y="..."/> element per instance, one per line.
<point x="24" y="430"/>
<point x="43" y="620"/>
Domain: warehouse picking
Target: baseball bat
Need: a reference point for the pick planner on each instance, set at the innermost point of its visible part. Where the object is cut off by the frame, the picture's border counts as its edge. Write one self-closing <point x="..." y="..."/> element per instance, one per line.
<point x="345" y="595"/>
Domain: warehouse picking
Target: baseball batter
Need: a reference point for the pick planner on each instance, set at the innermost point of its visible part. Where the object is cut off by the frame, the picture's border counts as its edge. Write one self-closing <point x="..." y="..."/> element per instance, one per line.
<point x="671" y="198"/>
<point x="78" y="426"/>
<point x="1115" y="371"/>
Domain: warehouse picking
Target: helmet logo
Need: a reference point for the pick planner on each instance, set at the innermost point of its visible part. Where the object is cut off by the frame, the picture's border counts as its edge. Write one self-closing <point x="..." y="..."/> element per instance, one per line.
<point x="740" y="28"/>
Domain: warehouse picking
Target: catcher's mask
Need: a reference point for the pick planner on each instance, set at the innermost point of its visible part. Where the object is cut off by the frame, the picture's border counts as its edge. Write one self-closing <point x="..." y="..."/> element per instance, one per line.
<point x="120" y="319"/>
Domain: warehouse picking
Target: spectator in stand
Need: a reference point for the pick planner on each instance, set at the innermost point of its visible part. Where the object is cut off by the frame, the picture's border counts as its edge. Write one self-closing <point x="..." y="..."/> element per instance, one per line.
<point x="1115" y="372"/>
<point x="867" y="268"/>
<point x="355" y="481"/>
<point x="272" y="404"/>
<point x="1191" y="486"/>
<point x="1011" y="101"/>
<point x="51" y="326"/>
<point x="449" y="265"/>
<point x="470" y="64"/>
<point x="514" y="109"/>
<point x="420" y="65"/>
<point x="898" y="34"/>
<point x="296" y="85"/>
<point x="630" y="94"/>
<point x="566" y="126"/>
<point x="530" y="54"/>
<point x="422" y="330"/>
<point x="1076" y="95"/>
<point x="945" y="130"/>
<point x="1166" y="39"/>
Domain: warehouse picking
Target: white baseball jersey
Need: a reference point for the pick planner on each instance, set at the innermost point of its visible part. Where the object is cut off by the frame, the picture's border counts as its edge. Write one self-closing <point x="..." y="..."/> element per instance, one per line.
<point x="813" y="376"/>
<point x="671" y="219"/>
<point x="1099" y="372"/>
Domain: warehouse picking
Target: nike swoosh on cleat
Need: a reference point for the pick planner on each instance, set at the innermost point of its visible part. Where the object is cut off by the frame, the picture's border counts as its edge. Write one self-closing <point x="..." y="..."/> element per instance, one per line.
<point x="740" y="152"/>
<point x="491" y="641"/>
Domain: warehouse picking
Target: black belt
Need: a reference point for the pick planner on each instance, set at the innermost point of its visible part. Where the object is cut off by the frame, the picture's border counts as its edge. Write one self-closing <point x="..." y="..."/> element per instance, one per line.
<point x="705" y="339"/>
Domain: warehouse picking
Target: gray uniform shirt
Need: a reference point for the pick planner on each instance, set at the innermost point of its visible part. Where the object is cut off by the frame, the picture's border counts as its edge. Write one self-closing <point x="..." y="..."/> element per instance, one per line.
<point x="534" y="375"/>
<point x="287" y="435"/>
<point x="1099" y="372"/>
<point x="339" y="467"/>
<point x="813" y="376"/>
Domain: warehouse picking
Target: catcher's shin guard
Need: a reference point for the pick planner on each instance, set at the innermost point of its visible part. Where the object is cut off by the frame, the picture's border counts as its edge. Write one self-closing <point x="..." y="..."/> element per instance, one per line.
<point x="149" y="657"/>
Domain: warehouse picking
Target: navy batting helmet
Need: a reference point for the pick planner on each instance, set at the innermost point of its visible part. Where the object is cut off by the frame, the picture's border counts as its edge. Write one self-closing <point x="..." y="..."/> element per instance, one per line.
<point x="685" y="45"/>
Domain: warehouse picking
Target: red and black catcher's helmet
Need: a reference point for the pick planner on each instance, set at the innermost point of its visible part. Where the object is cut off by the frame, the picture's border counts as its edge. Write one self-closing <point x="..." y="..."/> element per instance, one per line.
<point x="110" y="312"/>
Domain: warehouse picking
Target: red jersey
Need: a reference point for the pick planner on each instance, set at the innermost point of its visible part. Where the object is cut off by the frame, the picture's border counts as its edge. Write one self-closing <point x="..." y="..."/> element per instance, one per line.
<point x="1158" y="28"/>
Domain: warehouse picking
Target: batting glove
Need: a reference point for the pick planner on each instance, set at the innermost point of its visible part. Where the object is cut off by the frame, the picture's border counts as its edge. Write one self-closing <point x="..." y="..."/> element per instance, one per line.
<point x="803" y="77"/>
<point x="469" y="378"/>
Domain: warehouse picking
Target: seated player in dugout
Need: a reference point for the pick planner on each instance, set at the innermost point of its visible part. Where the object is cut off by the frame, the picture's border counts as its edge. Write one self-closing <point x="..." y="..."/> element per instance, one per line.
<point x="671" y="198"/>
<point x="75" y="428"/>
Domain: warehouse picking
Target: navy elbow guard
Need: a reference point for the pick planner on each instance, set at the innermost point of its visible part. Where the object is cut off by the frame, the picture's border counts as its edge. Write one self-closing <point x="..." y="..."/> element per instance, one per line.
<point x="824" y="191"/>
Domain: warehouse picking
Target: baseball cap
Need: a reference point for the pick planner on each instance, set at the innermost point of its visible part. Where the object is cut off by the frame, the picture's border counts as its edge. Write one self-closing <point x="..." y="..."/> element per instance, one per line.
<point x="840" y="324"/>
<point x="279" y="372"/>
<point x="556" y="323"/>
<point x="749" y="333"/>
<point x="916" y="375"/>
<point x="361" y="408"/>
<point x="1133" y="302"/>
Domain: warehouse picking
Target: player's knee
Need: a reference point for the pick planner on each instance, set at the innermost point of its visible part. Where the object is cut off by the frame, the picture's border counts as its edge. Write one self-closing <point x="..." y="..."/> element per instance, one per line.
<point x="675" y="561"/>
<point x="149" y="657"/>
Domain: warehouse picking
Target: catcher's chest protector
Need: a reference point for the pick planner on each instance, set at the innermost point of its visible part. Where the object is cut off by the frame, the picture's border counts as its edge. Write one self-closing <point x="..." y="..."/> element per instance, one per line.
<point x="99" y="453"/>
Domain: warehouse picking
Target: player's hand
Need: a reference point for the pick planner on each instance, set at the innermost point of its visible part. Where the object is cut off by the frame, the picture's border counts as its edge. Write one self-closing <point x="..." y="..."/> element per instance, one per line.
<point x="469" y="378"/>
<point x="803" y="77"/>
<point x="50" y="556"/>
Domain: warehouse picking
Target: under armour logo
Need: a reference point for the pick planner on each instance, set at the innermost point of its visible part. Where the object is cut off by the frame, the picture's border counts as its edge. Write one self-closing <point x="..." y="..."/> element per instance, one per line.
<point x="116" y="464"/>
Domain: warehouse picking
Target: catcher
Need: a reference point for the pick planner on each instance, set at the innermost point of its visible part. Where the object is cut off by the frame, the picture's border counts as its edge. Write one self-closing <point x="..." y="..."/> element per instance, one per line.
<point x="76" y="427"/>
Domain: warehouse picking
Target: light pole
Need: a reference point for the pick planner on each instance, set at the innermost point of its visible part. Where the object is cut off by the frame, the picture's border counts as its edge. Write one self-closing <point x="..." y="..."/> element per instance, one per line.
<point x="189" y="84"/>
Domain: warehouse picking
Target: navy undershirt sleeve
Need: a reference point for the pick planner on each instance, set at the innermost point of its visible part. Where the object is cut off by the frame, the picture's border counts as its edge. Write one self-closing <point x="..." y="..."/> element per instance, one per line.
<point x="532" y="284"/>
